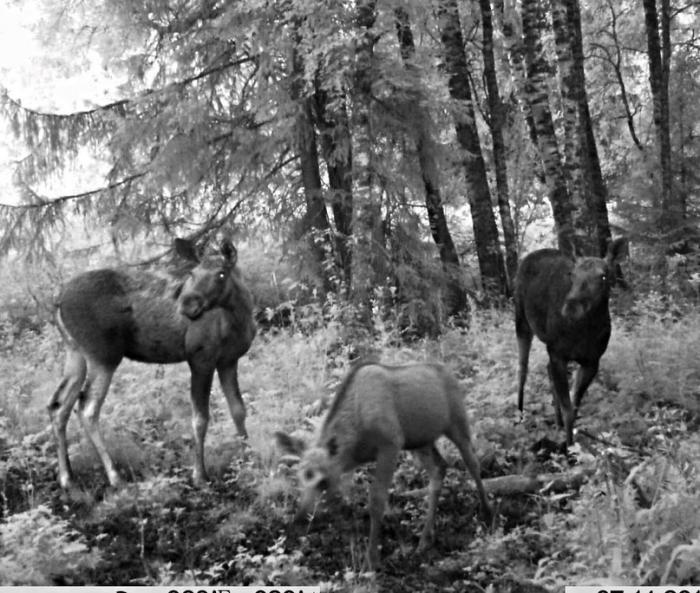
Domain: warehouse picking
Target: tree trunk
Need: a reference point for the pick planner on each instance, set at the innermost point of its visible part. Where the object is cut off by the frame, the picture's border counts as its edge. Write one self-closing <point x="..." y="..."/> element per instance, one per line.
<point x="671" y="212"/>
<point x="569" y="100"/>
<point x="496" y="123"/>
<point x="316" y="225"/>
<point x="515" y="49"/>
<point x="537" y="95"/>
<point x="568" y="88"/>
<point x="336" y="146"/>
<point x="615" y="62"/>
<point x="587" y="189"/>
<point x="367" y="223"/>
<point x="456" y="297"/>
<point x="594" y="190"/>
<point x="484" y="222"/>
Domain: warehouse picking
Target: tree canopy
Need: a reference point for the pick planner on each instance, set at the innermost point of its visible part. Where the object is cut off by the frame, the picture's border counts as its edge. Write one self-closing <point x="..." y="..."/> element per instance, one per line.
<point x="361" y="131"/>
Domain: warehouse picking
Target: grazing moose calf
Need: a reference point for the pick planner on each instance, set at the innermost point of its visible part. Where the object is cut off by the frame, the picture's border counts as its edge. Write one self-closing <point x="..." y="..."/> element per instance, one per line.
<point x="106" y="315"/>
<point x="378" y="411"/>
<point x="564" y="302"/>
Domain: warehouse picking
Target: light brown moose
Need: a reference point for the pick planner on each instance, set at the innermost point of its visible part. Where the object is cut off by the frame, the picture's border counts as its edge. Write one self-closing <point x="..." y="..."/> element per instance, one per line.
<point x="379" y="410"/>
<point x="109" y="314"/>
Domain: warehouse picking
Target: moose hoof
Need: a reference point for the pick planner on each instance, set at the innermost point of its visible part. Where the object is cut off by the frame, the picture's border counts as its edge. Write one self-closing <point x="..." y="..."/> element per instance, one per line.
<point x="66" y="482"/>
<point x="200" y="480"/>
<point x="487" y="515"/>
<point x="115" y="480"/>
<point x="426" y="541"/>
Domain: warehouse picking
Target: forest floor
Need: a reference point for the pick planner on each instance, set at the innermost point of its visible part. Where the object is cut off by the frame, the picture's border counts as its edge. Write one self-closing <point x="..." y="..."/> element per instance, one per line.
<point x="635" y="520"/>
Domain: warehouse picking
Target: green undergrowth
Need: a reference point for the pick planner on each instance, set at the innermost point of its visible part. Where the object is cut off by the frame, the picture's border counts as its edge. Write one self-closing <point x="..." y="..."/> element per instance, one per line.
<point x="635" y="520"/>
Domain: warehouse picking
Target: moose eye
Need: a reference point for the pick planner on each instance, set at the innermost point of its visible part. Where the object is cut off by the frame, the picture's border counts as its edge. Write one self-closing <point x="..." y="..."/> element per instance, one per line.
<point x="603" y="277"/>
<point x="308" y="474"/>
<point x="221" y="276"/>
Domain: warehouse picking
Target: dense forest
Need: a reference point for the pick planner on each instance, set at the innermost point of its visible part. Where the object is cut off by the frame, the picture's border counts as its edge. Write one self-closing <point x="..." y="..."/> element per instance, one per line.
<point x="381" y="168"/>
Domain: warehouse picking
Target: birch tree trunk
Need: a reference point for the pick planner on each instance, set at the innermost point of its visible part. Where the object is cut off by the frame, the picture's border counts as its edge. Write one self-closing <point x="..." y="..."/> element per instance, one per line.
<point x="367" y="224"/>
<point x="569" y="100"/>
<point x="595" y="193"/>
<point x="509" y="20"/>
<point x="587" y="188"/>
<point x="538" y="74"/>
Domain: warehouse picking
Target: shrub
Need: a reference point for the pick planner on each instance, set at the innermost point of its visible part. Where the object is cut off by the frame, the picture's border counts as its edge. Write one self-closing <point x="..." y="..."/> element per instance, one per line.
<point x="637" y="520"/>
<point x="39" y="548"/>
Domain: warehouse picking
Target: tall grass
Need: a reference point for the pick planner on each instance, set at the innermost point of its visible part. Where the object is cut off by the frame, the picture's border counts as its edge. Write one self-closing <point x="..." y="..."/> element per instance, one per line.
<point x="288" y="379"/>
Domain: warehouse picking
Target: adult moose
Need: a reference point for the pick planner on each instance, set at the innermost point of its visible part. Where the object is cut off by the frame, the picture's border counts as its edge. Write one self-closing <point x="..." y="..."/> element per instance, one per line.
<point x="106" y="315"/>
<point x="379" y="410"/>
<point x="564" y="302"/>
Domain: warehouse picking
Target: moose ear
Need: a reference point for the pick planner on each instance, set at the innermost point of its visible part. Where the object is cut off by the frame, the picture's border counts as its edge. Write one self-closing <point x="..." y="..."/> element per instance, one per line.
<point x="290" y="444"/>
<point x="229" y="251"/>
<point x="568" y="242"/>
<point x="185" y="249"/>
<point x="177" y="290"/>
<point x="332" y="447"/>
<point x="617" y="250"/>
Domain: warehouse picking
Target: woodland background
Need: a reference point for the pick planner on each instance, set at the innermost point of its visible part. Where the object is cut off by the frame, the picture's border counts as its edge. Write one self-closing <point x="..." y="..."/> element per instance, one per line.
<point x="381" y="166"/>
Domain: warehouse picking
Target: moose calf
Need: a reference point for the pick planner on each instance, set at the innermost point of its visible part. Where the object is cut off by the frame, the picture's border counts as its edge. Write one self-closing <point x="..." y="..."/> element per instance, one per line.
<point x="379" y="410"/>
<point x="564" y="302"/>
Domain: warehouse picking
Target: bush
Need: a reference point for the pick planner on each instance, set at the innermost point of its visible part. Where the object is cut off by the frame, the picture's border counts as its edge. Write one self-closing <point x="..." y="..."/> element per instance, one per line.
<point x="637" y="519"/>
<point x="39" y="548"/>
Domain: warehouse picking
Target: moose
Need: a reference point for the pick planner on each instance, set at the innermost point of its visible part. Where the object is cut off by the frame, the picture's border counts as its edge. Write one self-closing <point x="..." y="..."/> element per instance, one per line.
<point x="204" y="317"/>
<point x="379" y="410"/>
<point x="564" y="302"/>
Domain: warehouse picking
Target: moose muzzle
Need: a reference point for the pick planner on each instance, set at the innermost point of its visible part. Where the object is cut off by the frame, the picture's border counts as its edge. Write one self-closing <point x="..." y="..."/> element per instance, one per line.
<point x="192" y="305"/>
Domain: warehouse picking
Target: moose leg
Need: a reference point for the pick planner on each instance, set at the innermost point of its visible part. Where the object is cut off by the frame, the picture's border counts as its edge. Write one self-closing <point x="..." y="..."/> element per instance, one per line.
<point x="99" y="377"/>
<point x="435" y="465"/>
<point x="60" y="407"/>
<point x="461" y="437"/>
<point x="560" y="386"/>
<point x="199" y="394"/>
<point x="228" y="377"/>
<point x="383" y="473"/>
<point x="584" y="376"/>
<point x="555" y="399"/>
<point x="524" y="344"/>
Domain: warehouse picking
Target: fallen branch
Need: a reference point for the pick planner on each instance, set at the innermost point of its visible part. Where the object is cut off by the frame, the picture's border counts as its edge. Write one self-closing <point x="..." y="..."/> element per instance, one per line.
<point x="523" y="484"/>
<point x="541" y="483"/>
